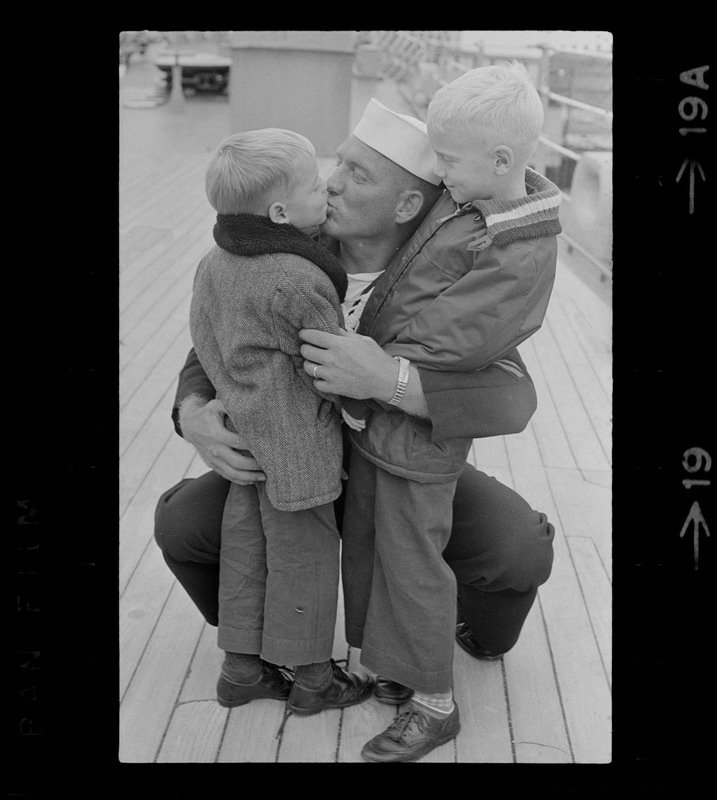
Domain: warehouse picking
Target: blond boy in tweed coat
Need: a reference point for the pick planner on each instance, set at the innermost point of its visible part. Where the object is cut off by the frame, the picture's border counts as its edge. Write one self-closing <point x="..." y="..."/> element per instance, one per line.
<point x="263" y="281"/>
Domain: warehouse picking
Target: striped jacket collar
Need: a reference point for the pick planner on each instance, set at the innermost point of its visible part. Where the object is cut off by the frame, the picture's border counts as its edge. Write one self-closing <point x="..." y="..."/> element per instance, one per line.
<point x="506" y="221"/>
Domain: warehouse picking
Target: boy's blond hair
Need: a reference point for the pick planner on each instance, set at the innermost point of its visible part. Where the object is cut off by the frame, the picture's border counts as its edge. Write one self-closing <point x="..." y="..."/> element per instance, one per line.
<point x="491" y="105"/>
<point x="246" y="166"/>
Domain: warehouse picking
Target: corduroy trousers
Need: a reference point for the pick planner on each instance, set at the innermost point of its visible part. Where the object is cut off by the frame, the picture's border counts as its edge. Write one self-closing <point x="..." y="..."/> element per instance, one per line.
<point x="400" y="594"/>
<point x="278" y="579"/>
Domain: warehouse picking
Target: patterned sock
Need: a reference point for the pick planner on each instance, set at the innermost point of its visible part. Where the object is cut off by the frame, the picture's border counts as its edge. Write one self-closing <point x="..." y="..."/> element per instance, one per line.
<point x="313" y="676"/>
<point x="241" y="667"/>
<point x="435" y="705"/>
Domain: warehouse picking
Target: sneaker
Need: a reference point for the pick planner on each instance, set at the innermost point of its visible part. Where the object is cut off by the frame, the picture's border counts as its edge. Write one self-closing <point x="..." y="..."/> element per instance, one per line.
<point x="411" y="736"/>
<point x="345" y="689"/>
<point x="273" y="684"/>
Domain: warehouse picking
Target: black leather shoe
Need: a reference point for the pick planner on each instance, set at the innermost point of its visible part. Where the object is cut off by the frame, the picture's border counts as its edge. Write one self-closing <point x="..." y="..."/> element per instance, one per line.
<point x="273" y="685"/>
<point x="411" y="736"/>
<point x="390" y="692"/>
<point x="469" y="644"/>
<point x="345" y="689"/>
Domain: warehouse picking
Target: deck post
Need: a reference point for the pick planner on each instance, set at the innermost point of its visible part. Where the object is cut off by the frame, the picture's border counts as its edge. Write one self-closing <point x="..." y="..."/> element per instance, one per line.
<point x="176" y="102"/>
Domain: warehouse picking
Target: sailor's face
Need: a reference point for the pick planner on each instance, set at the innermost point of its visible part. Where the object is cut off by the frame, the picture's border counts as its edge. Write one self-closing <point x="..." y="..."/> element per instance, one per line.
<point x="363" y="193"/>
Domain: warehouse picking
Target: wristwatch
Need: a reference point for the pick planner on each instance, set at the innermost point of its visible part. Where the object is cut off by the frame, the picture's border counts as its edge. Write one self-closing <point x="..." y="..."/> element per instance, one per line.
<point x="402" y="382"/>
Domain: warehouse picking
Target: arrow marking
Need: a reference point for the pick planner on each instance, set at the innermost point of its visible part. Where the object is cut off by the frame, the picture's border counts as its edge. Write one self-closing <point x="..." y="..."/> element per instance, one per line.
<point x="696" y="519"/>
<point x="692" y="164"/>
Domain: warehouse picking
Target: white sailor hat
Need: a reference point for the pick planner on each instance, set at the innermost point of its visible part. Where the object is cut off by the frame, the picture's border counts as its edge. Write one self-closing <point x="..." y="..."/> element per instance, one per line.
<point x="401" y="138"/>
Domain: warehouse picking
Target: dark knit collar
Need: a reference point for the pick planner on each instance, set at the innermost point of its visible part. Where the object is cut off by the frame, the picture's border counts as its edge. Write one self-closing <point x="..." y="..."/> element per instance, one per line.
<point x="252" y="235"/>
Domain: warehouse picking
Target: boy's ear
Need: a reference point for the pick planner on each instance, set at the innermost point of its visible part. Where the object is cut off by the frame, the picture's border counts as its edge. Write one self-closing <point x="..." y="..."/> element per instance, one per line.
<point x="504" y="158"/>
<point x="409" y="205"/>
<point x="277" y="213"/>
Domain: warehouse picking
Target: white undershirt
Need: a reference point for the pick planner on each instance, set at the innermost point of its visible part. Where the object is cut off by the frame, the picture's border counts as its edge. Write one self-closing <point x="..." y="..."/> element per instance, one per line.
<point x="357" y="297"/>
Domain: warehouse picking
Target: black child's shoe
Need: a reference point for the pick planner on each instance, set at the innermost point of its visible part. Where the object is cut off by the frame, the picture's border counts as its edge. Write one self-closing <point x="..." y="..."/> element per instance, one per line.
<point x="411" y="736"/>
<point x="272" y="685"/>
<point x="390" y="692"/>
<point x="345" y="689"/>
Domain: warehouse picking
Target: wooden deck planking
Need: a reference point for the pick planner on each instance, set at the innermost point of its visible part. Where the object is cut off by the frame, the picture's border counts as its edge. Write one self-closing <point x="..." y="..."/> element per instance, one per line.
<point x="203" y="672"/>
<point x="140" y="607"/>
<point x="590" y="315"/>
<point x="546" y="425"/>
<point x="595" y="399"/>
<point x="150" y="180"/>
<point x="194" y="733"/>
<point x="157" y="249"/>
<point x="140" y="455"/>
<point x="597" y="591"/>
<point x="150" y="381"/>
<point x="251" y="733"/>
<point x="479" y="691"/>
<point x="584" y="510"/>
<point x="147" y="166"/>
<point x="160" y="305"/>
<point x="547" y="701"/>
<point x="489" y="452"/>
<point x="313" y="739"/>
<point x="144" y="579"/>
<point x="147" y="361"/>
<point x="137" y="521"/>
<point x="536" y="713"/>
<point x="136" y="332"/>
<point x="150" y="698"/>
<point x="535" y="710"/>
<point x="162" y="205"/>
<point x="582" y="683"/>
<point x="573" y="416"/>
<point x="572" y="368"/>
<point x="197" y="723"/>
<point x="162" y="252"/>
<point x="147" y="222"/>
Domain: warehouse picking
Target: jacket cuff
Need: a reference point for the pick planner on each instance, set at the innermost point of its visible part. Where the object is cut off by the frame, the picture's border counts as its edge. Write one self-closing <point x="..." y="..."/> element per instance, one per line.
<point x="192" y="381"/>
<point x="477" y="404"/>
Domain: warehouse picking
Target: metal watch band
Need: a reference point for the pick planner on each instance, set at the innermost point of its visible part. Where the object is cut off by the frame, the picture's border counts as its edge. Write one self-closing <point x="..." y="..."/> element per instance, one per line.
<point x="402" y="382"/>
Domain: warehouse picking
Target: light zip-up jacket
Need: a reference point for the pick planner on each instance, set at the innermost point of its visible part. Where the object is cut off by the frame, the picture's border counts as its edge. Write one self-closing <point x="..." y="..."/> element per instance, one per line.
<point x="471" y="284"/>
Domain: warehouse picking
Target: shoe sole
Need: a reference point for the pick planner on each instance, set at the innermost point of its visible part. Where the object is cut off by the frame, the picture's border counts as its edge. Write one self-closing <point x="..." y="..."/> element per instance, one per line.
<point x="236" y="703"/>
<point x="307" y="712"/>
<point x="369" y="756"/>
<point x="475" y="654"/>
